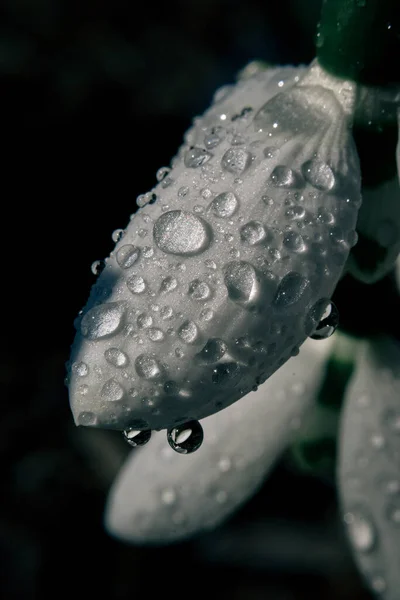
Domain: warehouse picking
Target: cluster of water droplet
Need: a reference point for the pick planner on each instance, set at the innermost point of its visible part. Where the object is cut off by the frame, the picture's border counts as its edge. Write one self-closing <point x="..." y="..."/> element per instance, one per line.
<point x="224" y="270"/>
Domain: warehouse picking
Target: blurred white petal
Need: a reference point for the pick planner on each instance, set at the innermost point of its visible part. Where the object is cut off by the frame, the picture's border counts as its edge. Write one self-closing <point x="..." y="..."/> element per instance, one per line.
<point x="249" y="231"/>
<point x="369" y="467"/>
<point x="161" y="496"/>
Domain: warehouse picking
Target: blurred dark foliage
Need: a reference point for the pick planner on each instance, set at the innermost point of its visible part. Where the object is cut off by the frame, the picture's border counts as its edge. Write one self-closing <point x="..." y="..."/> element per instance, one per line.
<point x="95" y="96"/>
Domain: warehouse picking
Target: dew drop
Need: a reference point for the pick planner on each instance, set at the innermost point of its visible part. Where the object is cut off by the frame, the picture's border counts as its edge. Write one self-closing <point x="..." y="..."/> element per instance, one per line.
<point x="236" y="160"/>
<point x="117" y="235"/>
<point x="80" y="369"/>
<point x="148" y="367"/>
<point x="199" y="290"/>
<point x="226" y="373"/>
<point x="283" y="176"/>
<point x="87" y="419"/>
<point x="290" y="290"/>
<point x="116" y="357"/>
<point x="135" y="437"/>
<point x="98" y="266"/>
<point x="206" y="314"/>
<point x="171" y="388"/>
<point x="213" y="351"/>
<point x="186" y="438"/>
<point x="102" y="321"/>
<point x="328" y="323"/>
<point x="318" y="174"/>
<point x="183" y="191"/>
<point x="155" y="334"/>
<point x="188" y="332"/>
<point x="240" y="280"/>
<point x="214" y="137"/>
<point x="293" y="241"/>
<point x="180" y="232"/>
<point x="224" y="205"/>
<point x="361" y="531"/>
<point x="136" y="284"/>
<point x="127" y="256"/>
<point x="196" y="157"/>
<point x="112" y="391"/>
<point x="169" y="284"/>
<point x="166" y="313"/>
<point x="144" y="321"/>
<point x="252" y="233"/>
<point x="168" y="496"/>
<point x="162" y="173"/>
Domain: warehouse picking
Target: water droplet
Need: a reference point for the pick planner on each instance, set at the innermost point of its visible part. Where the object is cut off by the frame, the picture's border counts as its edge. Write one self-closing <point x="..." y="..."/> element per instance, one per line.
<point x="213" y="351"/>
<point x="283" y="176"/>
<point x="155" y="334"/>
<point x="361" y="531"/>
<point x="240" y="280"/>
<point x="148" y="367"/>
<point x="162" y="173"/>
<point x="127" y="256"/>
<point x="224" y="205"/>
<point x="188" y="332"/>
<point x="171" y="388"/>
<point x="214" y="137"/>
<point x="186" y="438"/>
<point x="295" y="212"/>
<point x="271" y="152"/>
<point x="210" y="264"/>
<point x="168" y="496"/>
<point x="136" y="284"/>
<point x="328" y="323"/>
<point x="290" y="290"/>
<point x="98" y="266"/>
<point x="180" y="232"/>
<point x="206" y="314"/>
<point x="224" y="465"/>
<point x="196" y="157"/>
<point x="252" y="233"/>
<point x="117" y="235"/>
<point x="236" y="160"/>
<point x="168" y="284"/>
<point x="221" y="497"/>
<point x="87" y="419"/>
<point x="199" y="290"/>
<point x="135" y="437"/>
<point x="293" y="241"/>
<point x="268" y="201"/>
<point x="102" y="321"/>
<point x="144" y="321"/>
<point x="166" y="312"/>
<point x="183" y="191"/>
<point x="80" y="369"/>
<point x="319" y="174"/>
<point x="112" y="391"/>
<point x="226" y="373"/>
<point x="378" y="583"/>
<point x="116" y="357"/>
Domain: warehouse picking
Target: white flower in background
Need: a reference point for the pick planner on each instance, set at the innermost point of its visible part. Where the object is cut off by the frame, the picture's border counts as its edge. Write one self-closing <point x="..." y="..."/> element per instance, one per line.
<point x="222" y="274"/>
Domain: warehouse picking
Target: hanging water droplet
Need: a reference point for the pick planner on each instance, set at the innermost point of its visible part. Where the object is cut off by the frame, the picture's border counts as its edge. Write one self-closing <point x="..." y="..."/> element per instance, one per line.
<point x="240" y="280"/>
<point x="98" y="266"/>
<point x="102" y="321"/>
<point x="199" y="290"/>
<point x="188" y="332"/>
<point x="136" y="437"/>
<point x="284" y="177"/>
<point x="162" y="173"/>
<point x="186" y="438"/>
<point x="236" y="160"/>
<point x="136" y="284"/>
<point x="127" y="256"/>
<point x="361" y="531"/>
<point x="213" y="351"/>
<point x="148" y="367"/>
<point x="224" y="205"/>
<point x="180" y="232"/>
<point x="168" y="284"/>
<point x="112" y="391"/>
<point x="319" y="174"/>
<point x="252" y="233"/>
<point x="116" y="357"/>
<point x="226" y="373"/>
<point x="290" y="290"/>
<point x="117" y="235"/>
<point x="196" y="157"/>
<point x="328" y="323"/>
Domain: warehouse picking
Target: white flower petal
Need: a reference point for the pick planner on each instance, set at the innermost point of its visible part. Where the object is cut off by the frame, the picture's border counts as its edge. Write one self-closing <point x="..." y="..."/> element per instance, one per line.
<point x="249" y="231"/>
<point x="378" y="226"/>
<point x="160" y="496"/>
<point x="369" y="469"/>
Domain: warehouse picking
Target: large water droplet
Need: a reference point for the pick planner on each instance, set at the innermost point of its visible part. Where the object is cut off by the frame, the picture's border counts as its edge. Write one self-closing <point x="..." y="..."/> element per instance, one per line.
<point x="127" y="256"/>
<point x="283" y="176"/>
<point x="135" y="437"/>
<point x="226" y="373"/>
<point x="136" y="284"/>
<point x="196" y="157"/>
<point x="328" y="323"/>
<point x="252" y="233"/>
<point x="102" y="321"/>
<point x="240" y="280"/>
<point x="361" y="531"/>
<point x="319" y="174"/>
<point x="199" y="290"/>
<point x="116" y="357"/>
<point x="236" y="160"/>
<point x="186" y="438"/>
<point x="224" y="205"/>
<point x="290" y="290"/>
<point x="213" y="351"/>
<point x="147" y="367"/>
<point x="180" y="232"/>
<point x="112" y="391"/>
<point x="188" y="332"/>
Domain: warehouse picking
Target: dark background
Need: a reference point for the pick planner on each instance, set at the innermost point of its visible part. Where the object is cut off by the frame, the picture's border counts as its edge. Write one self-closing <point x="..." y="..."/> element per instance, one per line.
<point x="95" y="96"/>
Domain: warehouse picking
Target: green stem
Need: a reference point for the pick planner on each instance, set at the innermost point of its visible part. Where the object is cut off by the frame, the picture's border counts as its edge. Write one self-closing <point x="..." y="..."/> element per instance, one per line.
<point x="360" y="40"/>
